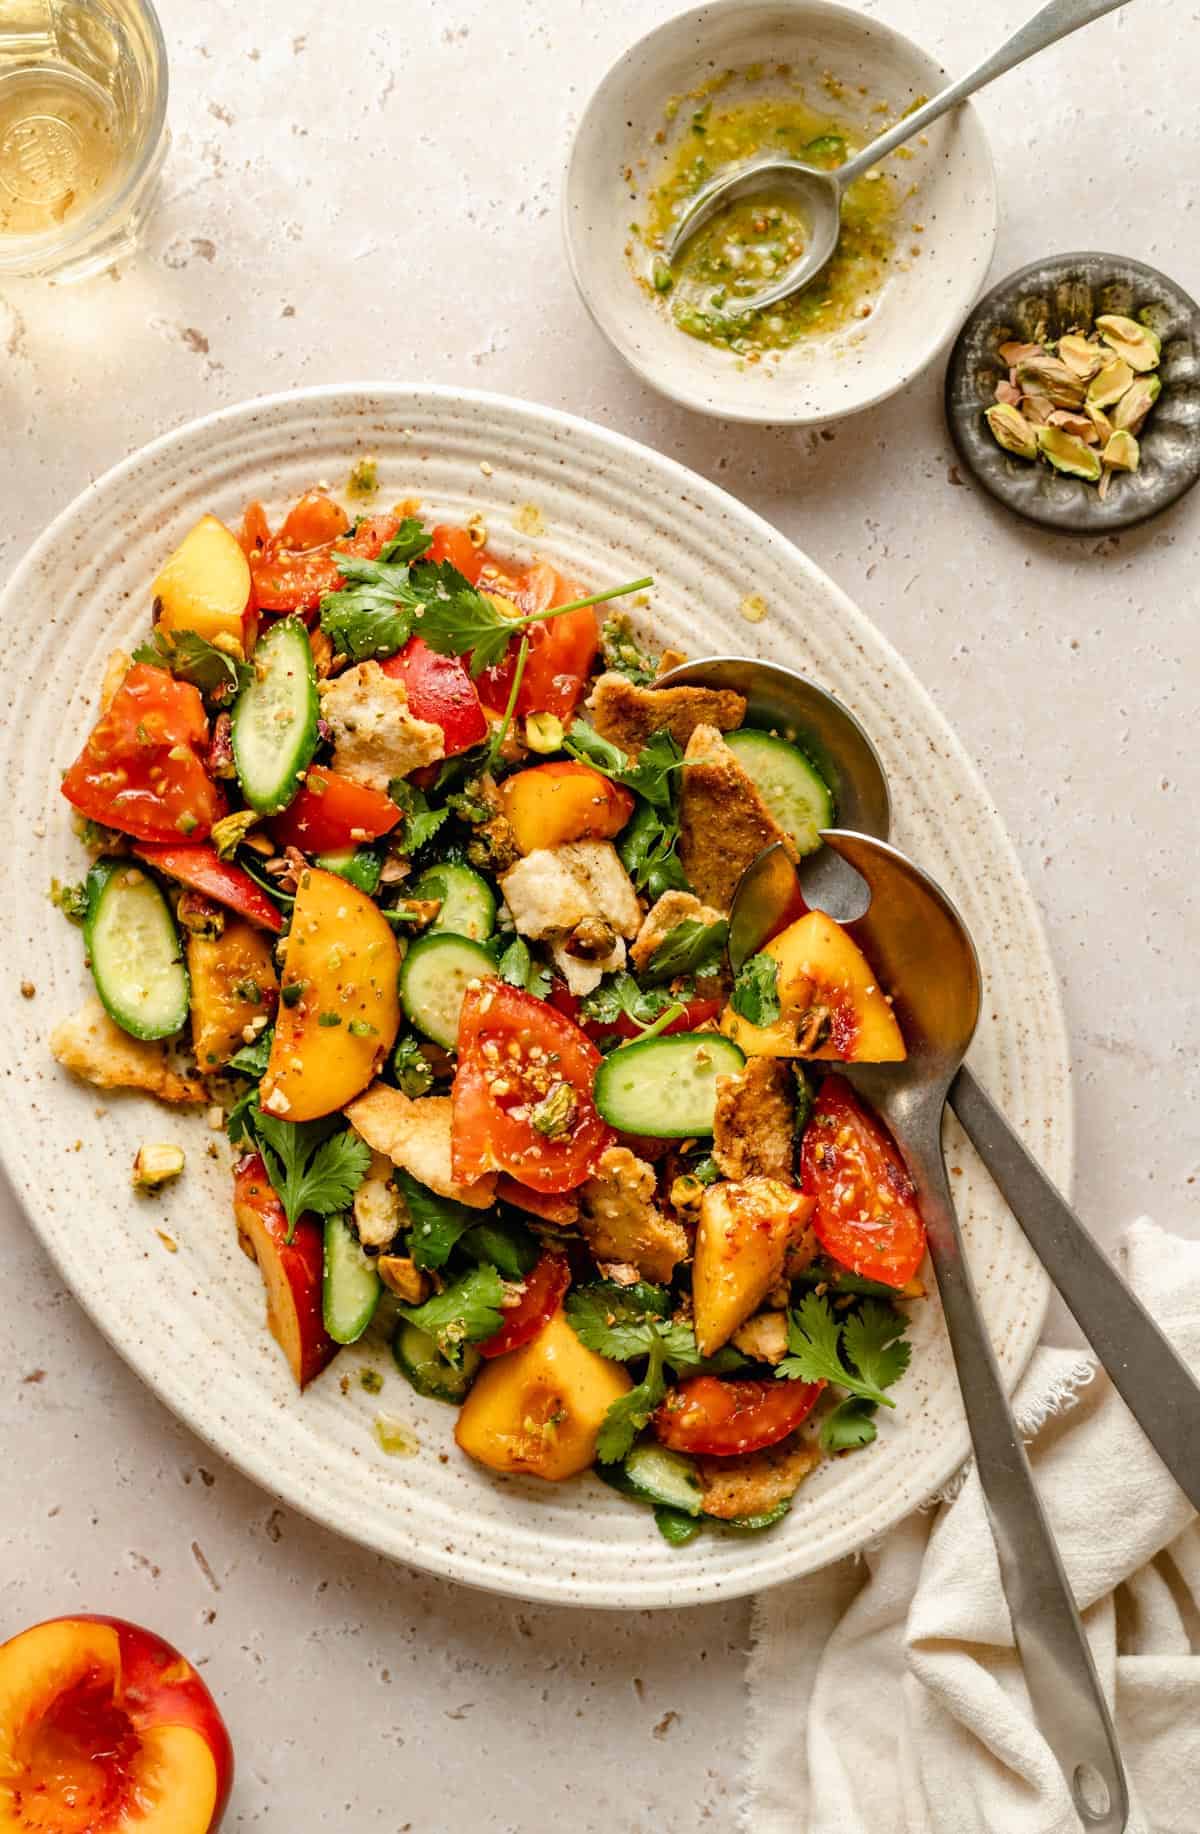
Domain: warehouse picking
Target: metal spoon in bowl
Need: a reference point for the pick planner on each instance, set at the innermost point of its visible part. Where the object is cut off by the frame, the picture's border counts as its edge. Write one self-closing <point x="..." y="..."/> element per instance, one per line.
<point x="1151" y="1378"/>
<point x="821" y="192"/>
<point x="919" y="946"/>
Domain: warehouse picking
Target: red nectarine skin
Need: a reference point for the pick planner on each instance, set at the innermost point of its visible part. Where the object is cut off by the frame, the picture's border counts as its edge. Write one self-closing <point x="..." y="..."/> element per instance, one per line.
<point x="293" y="1272"/>
<point x="106" y="1729"/>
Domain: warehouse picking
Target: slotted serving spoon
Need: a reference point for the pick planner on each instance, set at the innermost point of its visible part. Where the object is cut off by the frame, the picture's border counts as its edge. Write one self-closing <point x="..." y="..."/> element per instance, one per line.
<point x="1153" y="1381"/>
<point x="820" y="192"/>
<point x="920" y="948"/>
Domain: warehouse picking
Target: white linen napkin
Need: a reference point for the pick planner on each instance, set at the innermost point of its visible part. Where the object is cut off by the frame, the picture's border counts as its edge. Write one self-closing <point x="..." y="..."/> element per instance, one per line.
<point x="885" y="1694"/>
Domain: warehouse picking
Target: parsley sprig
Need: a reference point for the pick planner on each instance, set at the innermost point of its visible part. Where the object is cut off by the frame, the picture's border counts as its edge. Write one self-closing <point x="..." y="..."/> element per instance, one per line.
<point x="627" y="1416"/>
<point x="310" y="1168"/>
<point x="648" y="845"/>
<point x="372" y="615"/>
<point x="690" y="947"/>
<point x="863" y="1351"/>
<point x="620" y="996"/>
<point x="459" y="620"/>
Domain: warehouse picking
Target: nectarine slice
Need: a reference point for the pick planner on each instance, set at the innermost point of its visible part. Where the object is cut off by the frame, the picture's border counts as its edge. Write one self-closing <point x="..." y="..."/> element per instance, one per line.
<point x="205" y="586"/>
<point x="833" y="1007"/>
<point x="746" y="1228"/>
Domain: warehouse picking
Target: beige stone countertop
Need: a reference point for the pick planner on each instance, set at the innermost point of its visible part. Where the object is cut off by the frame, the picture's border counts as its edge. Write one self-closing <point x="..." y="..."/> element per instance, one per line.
<point x="372" y="192"/>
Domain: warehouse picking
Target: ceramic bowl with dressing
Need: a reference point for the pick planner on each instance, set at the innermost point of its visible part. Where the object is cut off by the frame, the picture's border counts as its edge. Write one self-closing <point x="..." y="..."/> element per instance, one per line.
<point x="695" y="93"/>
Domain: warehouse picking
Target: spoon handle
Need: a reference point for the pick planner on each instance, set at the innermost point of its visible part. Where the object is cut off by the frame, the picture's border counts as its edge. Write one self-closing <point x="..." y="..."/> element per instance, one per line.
<point x="1060" y="1675"/>
<point x="1148" y="1373"/>
<point x="1045" y="28"/>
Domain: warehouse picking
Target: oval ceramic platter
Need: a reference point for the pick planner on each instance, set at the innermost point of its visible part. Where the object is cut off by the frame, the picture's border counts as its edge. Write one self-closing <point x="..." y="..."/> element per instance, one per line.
<point x="191" y="1321"/>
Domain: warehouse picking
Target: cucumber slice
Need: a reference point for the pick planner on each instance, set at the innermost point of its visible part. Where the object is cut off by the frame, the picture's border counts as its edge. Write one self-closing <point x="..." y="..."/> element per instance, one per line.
<point x="754" y="1525"/>
<point x="468" y="901"/>
<point x="793" y="789"/>
<point x="351" y="1288"/>
<point x="676" y="1528"/>
<point x="418" y="1357"/>
<point x="666" y="1087"/>
<point x="360" y="866"/>
<point x="659" y="1476"/>
<point x="134" y="949"/>
<point x="275" y="720"/>
<point x="434" y="979"/>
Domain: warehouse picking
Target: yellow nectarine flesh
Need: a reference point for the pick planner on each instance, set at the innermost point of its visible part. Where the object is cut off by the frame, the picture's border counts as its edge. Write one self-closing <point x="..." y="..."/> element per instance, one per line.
<point x="539" y="1409"/>
<point x="833" y="1007"/>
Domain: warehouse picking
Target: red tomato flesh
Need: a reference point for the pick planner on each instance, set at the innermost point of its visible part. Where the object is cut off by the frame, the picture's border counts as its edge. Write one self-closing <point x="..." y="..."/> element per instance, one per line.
<point x="440" y="690"/>
<point x="456" y="546"/>
<point x="561" y="651"/>
<point x="544" y="1289"/>
<point x="722" y="1419"/>
<point x="142" y="769"/>
<point x="331" y="812"/>
<point x="513" y="1051"/>
<point x="285" y="581"/>
<point x="866" y="1217"/>
<point x="200" y="868"/>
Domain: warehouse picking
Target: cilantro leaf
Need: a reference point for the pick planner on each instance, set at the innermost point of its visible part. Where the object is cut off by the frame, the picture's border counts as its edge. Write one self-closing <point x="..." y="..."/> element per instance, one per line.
<point x="627" y="1416"/>
<point x="620" y="996"/>
<point x="873" y="1338"/>
<point x="310" y="1168"/>
<point x="456" y="618"/>
<point x="690" y="947"/>
<point x="756" y="990"/>
<point x="817" y="1337"/>
<point x="622" y="653"/>
<point x="189" y="657"/>
<point x="647" y="850"/>
<point x="850" y="1425"/>
<point x="408" y="543"/>
<point x="372" y="614"/>
<point x="420" y="822"/>
<point x="238" y="1124"/>
<point x="466" y="1313"/>
<point x="437" y="1222"/>
<point x="624" y="1323"/>
<point x="651" y="775"/>
<point x="252" y="1059"/>
<point x="518" y="968"/>
<point x="675" y="1526"/>
<point x="504" y="1242"/>
<point x="412" y="1069"/>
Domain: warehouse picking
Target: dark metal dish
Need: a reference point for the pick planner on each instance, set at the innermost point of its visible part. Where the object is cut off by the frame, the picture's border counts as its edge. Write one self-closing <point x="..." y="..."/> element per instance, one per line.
<point x="1057" y="295"/>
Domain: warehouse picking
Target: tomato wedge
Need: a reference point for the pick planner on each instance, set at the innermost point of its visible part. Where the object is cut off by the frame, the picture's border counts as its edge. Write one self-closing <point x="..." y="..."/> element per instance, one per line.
<point x="551" y="1208"/>
<point x="722" y="1419"/>
<point x="286" y="581"/>
<point x="866" y="1217"/>
<point x="456" y="546"/>
<point x="142" y="769"/>
<point x="313" y="521"/>
<point x="517" y="1061"/>
<point x="561" y="651"/>
<point x="331" y="812"/>
<point x="544" y="1289"/>
<point x="440" y="690"/>
<point x="204" y="871"/>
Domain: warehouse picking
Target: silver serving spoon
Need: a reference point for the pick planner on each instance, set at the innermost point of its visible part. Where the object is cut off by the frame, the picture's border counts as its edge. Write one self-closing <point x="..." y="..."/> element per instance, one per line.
<point x="919" y="946"/>
<point x="1148" y="1373"/>
<point x="821" y="192"/>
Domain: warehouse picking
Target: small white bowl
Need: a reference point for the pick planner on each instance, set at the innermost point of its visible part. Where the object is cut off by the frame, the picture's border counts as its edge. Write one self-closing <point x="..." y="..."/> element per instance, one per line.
<point x="922" y="303"/>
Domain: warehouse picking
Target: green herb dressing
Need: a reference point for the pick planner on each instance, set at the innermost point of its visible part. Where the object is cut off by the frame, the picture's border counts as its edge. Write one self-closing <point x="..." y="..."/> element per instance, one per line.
<point x="750" y="242"/>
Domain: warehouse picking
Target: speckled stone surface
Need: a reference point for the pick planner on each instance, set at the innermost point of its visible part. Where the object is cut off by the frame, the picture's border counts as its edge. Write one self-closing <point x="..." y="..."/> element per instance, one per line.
<point x="288" y="252"/>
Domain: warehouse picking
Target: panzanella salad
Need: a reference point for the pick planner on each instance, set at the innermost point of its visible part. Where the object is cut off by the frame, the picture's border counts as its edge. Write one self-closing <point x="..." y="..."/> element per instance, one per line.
<point x="404" y="865"/>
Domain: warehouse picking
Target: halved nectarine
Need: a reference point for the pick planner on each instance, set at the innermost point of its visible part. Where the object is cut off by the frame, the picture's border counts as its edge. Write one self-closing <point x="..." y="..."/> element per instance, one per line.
<point x="832" y="1004"/>
<point x="205" y="587"/>
<point x="105" y="1729"/>
<point x="551" y="804"/>
<point x="293" y="1272"/>
<point x="539" y="1409"/>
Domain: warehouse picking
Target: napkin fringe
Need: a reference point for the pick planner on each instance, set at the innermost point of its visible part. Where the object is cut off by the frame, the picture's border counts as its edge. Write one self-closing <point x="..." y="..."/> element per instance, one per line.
<point x="1055" y="1397"/>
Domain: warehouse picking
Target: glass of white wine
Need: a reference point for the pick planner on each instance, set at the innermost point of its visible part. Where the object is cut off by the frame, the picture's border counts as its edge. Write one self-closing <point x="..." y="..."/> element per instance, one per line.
<point x="83" y="103"/>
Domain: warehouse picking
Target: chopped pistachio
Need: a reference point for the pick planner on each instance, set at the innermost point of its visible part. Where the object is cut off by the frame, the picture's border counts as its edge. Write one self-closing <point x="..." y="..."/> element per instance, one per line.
<point x="1011" y="430"/>
<point x="1069" y="454"/>
<point x="1080" y="355"/>
<point x="1047" y="376"/>
<point x="1134" y="405"/>
<point x="1099" y="420"/>
<point x="1139" y="346"/>
<point x="1122" y="452"/>
<point x="228" y="834"/>
<point x="1107" y="387"/>
<point x="543" y="732"/>
<point x="155" y="1165"/>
